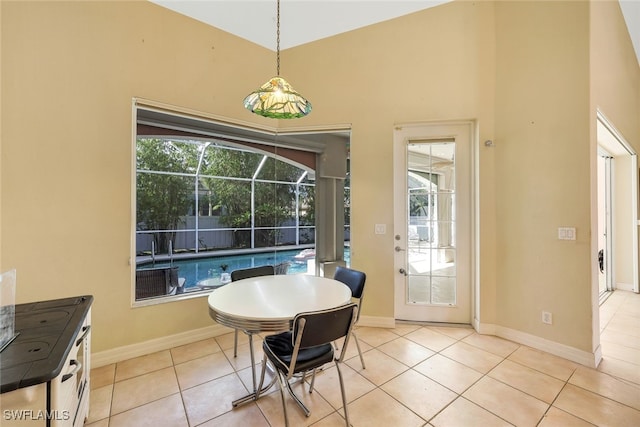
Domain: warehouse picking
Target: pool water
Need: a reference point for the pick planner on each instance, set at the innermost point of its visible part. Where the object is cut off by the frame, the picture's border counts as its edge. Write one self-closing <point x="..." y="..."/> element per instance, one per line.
<point x="196" y="269"/>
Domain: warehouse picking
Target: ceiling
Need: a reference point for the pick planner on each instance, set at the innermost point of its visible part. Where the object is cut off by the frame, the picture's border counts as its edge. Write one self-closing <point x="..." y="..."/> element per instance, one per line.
<point x="303" y="21"/>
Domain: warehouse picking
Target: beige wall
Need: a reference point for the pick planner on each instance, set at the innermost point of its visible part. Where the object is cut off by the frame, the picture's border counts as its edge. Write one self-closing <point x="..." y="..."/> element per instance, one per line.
<point x="615" y="74"/>
<point x="501" y="64"/>
<point x="71" y="70"/>
<point x="423" y="67"/>
<point x="542" y="169"/>
<point x="1" y="127"/>
<point x="428" y="66"/>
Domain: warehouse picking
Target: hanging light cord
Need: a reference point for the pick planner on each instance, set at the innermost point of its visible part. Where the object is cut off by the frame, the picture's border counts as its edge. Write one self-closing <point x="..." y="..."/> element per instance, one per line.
<point x="278" y="40"/>
<point x="276" y="98"/>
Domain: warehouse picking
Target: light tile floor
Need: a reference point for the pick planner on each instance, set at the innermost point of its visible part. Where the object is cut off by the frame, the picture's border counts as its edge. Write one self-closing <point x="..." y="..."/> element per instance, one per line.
<point x="415" y="376"/>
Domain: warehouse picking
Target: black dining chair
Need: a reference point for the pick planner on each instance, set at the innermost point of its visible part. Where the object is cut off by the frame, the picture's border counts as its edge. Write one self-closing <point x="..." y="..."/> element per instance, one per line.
<point x="308" y="346"/>
<point x="282" y="267"/>
<point x="355" y="280"/>
<point x="154" y="282"/>
<point x="245" y="273"/>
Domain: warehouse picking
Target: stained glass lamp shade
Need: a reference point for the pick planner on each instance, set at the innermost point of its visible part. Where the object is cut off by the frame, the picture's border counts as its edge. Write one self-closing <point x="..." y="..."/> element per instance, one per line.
<point x="278" y="100"/>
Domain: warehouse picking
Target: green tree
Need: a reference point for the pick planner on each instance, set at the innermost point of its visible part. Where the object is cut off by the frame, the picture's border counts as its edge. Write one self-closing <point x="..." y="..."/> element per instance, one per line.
<point x="230" y="196"/>
<point x="227" y="178"/>
<point x="274" y="203"/>
<point x="308" y="205"/>
<point x="163" y="200"/>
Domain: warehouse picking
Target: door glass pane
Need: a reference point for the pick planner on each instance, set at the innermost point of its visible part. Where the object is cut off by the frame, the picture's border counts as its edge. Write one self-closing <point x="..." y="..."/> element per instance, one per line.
<point x="431" y="253"/>
<point x="419" y="289"/>
<point x="443" y="290"/>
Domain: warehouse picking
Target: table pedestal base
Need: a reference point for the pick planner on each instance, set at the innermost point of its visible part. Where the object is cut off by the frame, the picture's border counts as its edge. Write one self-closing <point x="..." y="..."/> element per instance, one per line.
<point x="257" y="391"/>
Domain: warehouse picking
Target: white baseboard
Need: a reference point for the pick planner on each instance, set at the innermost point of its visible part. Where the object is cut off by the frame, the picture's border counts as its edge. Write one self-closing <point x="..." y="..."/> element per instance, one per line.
<point x="570" y="353"/>
<point x="475" y="324"/>
<point x="624" y="286"/>
<point x="561" y="350"/>
<point x="119" y="354"/>
<point x="377" y="322"/>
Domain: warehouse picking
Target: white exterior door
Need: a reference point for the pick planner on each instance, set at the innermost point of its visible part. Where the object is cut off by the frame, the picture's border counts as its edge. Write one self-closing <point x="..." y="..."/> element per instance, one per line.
<point x="433" y="222"/>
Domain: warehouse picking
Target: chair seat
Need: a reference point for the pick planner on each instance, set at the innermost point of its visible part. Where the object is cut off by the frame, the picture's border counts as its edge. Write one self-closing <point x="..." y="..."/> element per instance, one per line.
<point x="308" y="346"/>
<point x="308" y="358"/>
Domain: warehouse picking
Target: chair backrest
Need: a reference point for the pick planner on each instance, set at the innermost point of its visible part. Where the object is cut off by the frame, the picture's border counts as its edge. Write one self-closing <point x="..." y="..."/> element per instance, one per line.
<point x="354" y="279"/>
<point x="173" y="277"/>
<point x="244" y="273"/>
<point x="325" y="326"/>
<point x="155" y="282"/>
<point x="282" y="267"/>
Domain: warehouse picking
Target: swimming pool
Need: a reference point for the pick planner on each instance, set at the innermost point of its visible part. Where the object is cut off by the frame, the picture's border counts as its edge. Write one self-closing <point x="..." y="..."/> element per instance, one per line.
<point x="195" y="270"/>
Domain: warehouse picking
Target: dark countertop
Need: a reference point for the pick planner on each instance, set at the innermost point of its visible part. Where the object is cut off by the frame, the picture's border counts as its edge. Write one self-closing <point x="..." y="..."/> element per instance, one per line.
<point x="46" y="335"/>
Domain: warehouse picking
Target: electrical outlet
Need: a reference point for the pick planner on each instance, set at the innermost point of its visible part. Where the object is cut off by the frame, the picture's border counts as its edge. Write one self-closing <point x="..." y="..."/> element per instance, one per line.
<point x="547" y="318"/>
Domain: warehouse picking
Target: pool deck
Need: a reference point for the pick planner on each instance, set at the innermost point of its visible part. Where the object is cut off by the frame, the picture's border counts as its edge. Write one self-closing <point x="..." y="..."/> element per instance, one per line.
<point x="145" y="259"/>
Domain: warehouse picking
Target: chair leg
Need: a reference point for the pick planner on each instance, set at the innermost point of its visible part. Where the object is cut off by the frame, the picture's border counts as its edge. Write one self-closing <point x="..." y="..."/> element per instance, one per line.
<point x="264" y="368"/>
<point x="253" y="363"/>
<point x="235" y="343"/>
<point x="284" y="405"/>
<point x="353" y="334"/>
<point x="306" y="410"/>
<point x="313" y="379"/>
<point x="344" y="396"/>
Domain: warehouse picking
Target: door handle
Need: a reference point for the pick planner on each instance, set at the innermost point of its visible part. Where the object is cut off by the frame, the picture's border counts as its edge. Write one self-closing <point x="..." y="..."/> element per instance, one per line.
<point x="77" y="366"/>
<point x="398" y="249"/>
<point x="403" y="271"/>
<point x="86" y="330"/>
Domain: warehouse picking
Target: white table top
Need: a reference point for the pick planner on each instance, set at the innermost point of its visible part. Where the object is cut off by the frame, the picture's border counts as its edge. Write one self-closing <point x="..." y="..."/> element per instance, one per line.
<point x="277" y="298"/>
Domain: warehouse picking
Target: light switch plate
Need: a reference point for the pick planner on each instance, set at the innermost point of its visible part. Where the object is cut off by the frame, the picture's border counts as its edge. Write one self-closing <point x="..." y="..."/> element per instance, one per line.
<point x="381" y="228"/>
<point x="566" y="233"/>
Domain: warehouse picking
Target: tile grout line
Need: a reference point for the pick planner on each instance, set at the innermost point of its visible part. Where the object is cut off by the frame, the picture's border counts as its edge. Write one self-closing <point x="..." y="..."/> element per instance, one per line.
<point x="404" y="335"/>
<point x="184" y="405"/>
<point x="411" y="368"/>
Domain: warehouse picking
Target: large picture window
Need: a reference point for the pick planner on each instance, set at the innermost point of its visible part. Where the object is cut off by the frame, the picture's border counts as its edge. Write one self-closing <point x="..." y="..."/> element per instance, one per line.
<point x="206" y="205"/>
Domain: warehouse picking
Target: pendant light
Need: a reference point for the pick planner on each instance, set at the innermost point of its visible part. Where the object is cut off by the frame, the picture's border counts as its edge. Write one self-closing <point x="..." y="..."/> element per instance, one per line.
<point x="276" y="98"/>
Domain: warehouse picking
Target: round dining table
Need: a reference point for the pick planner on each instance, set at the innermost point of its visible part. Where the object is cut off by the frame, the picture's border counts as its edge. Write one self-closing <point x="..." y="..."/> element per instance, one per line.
<point x="269" y="304"/>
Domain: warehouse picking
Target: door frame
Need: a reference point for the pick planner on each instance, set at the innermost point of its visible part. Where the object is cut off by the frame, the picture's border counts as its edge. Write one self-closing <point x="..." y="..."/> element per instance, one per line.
<point x="606" y="175"/>
<point x="399" y="198"/>
<point x="626" y="149"/>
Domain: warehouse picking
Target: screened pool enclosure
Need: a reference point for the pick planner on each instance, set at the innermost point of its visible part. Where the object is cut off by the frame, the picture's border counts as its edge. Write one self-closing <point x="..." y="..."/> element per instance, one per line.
<point x="217" y="191"/>
<point x="202" y="195"/>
